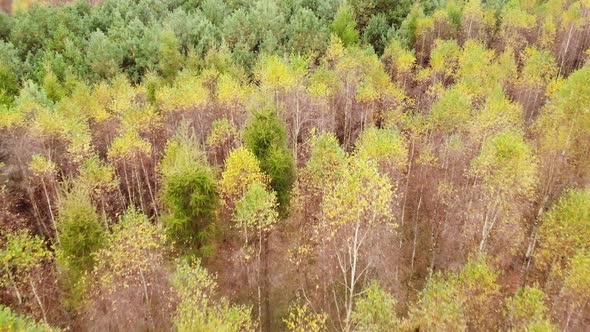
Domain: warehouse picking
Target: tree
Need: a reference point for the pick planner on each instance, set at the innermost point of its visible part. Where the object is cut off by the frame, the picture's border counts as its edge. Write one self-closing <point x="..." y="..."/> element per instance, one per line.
<point x="103" y="55"/>
<point x="478" y="284"/>
<point x="375" y="33"/>
<point x="526" y="310"/>
<point x="13" y="322"/>
<point x="306" y="34"/>
<point x="189" y="192"/>
<point x="21" y="259"/>
<point x="375" y="311"/>
<point x="197" y="310"/>
<point x="301" y="319"/>
<point x="352" y="211"/>
<point x="577" y="284"/>
<point x="266" y="137"/>
<point x="444" y="60"/>
<point x="564" y="229"/>
<point x="344" y="26"/>
<point x="241" y="170"/>
<point x="129" y="276"/>
<point x="255" y="217"/>
<point x="508" y="171"/>
<point x="386" y="147"/>
<point x="440" y="306"/>
<point x="46" y="171"/>
<point x="170" y="58"/>
<point x="10" y="68"/>
<point x="81" y="235"/>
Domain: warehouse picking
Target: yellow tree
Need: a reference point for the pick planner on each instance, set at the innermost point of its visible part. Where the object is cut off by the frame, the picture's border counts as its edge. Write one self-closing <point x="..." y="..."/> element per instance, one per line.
<point x="353" y="210"/>
<point x="241" y="170"/>
<point x="507" y="170"/>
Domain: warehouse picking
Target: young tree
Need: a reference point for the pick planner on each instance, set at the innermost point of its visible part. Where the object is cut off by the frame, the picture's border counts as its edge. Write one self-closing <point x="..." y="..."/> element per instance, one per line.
<point x="508" y="171"/>
<point x="170" y="58"/>
<point x="352" y="212"/>
<point x="13" y="322"/>
<point x="577" y="286"/>
<point x="375" y="311"/>
<point x="527" y="311"/>
<point x="46" y="171"/>
<point x="197" y="309"/>
<point x="564" y="229"/>
<point x="440" y="306"/>
<point x="241" y="170"/>
<point x="21" y="260"/>
<point x="386" y="147"/>
<point x="266" y="137"/>
<point x="130" y="276"/>
<point x="255" y="217"/>
<point x="344" y="26"/>
<point x="81" y="236"/>
<point x="302" y="319"/>
<point x="189" y="192"/>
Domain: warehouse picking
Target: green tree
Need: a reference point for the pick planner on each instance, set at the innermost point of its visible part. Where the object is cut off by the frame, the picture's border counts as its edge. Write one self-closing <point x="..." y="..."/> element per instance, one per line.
<point x="170" y="58"/>
<point x="103" y="55"/>
<point x="265" y="135"/>
<point x="527" y="309"/>
<point x="344" y="26"/>
<point x="81" y="235"/>
<point x="564" y="230"/>
<point x="189" y="192"/>
<point x="375" y="311"/>
<point x="10" y="70"/>
<point x="306" y="33"/>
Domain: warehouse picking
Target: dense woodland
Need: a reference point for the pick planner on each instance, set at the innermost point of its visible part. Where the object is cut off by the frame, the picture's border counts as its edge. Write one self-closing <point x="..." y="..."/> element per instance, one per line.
<point x="297" y="165"/>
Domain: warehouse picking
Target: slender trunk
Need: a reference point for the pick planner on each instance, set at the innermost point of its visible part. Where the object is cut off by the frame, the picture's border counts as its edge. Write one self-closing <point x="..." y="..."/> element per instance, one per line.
<point x="401" y="238"/>
<point x="258" y="279"/>
<point x="416" y="232"/>
<point x="147" y="179"/>
<point x="16" y="290"/>
<point x="266" y="283"/>
<point x="352" y="284"/>
<point x="34" y="289"/>
<point x="567" y="45"/>
<point x="50" y="209"/>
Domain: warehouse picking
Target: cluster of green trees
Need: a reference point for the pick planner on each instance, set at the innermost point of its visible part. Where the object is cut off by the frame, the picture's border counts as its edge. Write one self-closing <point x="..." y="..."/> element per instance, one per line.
<point x="227" y="165"/>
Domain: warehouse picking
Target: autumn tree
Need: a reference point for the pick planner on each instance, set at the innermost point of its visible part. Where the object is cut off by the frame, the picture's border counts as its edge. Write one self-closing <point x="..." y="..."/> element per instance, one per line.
<point x="255" y="216"/>
<point x="198" y="308"/>
<point x="22" y="258"/>
<point x="130" y="287"/>
<point x="507" y="169"/>
<point x="375" y="311"/>
<point x="527" y="310"/>
<point x="356" y="208"/>
<point x="563" y="230"/>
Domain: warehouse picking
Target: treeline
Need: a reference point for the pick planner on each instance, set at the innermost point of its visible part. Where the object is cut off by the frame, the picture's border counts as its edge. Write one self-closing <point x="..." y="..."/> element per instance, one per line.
<point x="295" y="165"/>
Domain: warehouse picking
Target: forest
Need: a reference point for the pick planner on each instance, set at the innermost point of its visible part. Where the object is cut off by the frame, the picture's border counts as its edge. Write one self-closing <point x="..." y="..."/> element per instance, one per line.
<point x="295" y="165"/>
